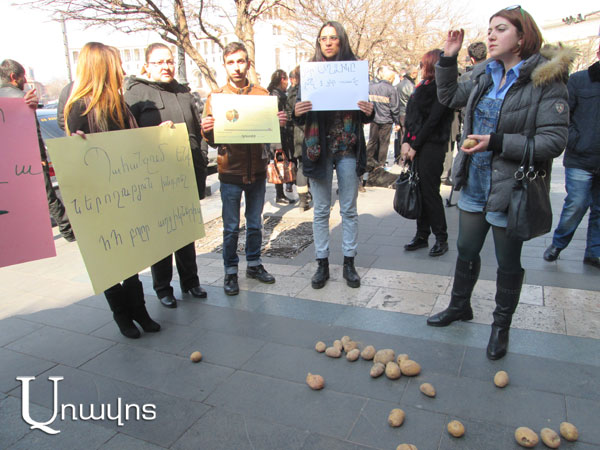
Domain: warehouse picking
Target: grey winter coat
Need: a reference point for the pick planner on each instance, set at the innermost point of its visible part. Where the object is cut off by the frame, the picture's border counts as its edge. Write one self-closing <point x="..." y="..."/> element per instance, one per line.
<point x="534" y="106"/>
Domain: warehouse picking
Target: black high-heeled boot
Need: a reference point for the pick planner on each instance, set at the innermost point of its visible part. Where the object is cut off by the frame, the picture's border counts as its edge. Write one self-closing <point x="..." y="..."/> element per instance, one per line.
<point x="138" y="311"/>
<point x="119" y="306"/>
<point x="466" y="274"/>
<point x="508" y="292"/>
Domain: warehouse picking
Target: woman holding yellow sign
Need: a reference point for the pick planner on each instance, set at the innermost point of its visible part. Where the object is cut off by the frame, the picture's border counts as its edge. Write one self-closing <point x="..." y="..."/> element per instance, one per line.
<point x="334" y="139"/>
<point x="95" y="105"/>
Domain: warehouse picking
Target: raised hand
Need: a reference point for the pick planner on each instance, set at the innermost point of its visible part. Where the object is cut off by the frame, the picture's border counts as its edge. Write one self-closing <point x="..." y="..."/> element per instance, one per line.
<point x="454" y="42"/>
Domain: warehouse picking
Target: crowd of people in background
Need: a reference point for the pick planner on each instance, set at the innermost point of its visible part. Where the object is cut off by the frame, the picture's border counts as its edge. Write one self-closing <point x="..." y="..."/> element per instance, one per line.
<point x="517" y="92"/>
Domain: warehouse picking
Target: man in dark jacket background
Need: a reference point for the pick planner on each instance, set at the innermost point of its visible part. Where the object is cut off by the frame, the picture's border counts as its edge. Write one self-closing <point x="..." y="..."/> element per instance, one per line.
<point x="582" y="166"/>
<point x="12" y="84"/>
<point x="405" y="89"/>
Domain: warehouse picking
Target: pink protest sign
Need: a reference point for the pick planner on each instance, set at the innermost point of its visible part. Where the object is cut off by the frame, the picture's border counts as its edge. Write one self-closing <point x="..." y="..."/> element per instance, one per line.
<point x="25" y="230"/>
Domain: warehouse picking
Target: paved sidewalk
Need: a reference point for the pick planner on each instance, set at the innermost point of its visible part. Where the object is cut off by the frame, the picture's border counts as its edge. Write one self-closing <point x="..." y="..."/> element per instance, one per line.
<point x="249" y="390"/>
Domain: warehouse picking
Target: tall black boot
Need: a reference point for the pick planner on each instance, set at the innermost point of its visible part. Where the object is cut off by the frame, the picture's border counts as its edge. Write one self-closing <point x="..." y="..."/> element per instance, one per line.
<point x="508" y="291"/>
<point x="350" y="273"/>
<point x="466" y="274"/>
<point x="119" y="306"/>
<point x="321" y="275"/>
<point x="137" y="308"/>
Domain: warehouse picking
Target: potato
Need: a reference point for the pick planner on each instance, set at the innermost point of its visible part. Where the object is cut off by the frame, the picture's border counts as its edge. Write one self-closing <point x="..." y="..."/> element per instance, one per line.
<point x="456" y="429"/>
<point x="353" y="355"/>
<point x="315" y="382"/>
<point x="427" y="389"/>
<point x="320" y="346"/>
<point x="345" y="340"/>
<point x="392" y="371"/>
<point x="196" y="357"/>
<point x="401" y="357"/>
<point x="396" y="417"/>
<point x="569" y="431"/>
<point x="550" y="438"/>
<point x="377" y="370"/>
<point x="368" y="353"/>
<point x="349" y="346"/>
<point x="526" y="437"/>
<point x="406" y="447"/>
<point x="338" y="344"/>
<point x="384" y="356"/>
<point x="410" y="368"/>
<point x="501" y="379"/>
<point x="333" y="352"/>
<point x="470" y="143"/>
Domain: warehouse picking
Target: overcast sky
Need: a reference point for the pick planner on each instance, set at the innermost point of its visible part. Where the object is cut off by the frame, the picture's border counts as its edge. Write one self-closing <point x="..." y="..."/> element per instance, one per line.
<point x="30" y="38"/>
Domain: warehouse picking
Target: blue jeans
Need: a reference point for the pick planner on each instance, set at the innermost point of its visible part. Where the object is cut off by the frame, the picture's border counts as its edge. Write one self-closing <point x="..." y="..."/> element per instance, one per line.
<point x="231" y="196"/>
<point x="348" y="192"/>
<point x="583" y="192"/>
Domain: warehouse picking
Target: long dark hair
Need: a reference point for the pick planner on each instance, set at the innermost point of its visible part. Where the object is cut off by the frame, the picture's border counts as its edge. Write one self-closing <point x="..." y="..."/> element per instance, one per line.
<point x="276" y="78"/>
<point x="345" y="53"/>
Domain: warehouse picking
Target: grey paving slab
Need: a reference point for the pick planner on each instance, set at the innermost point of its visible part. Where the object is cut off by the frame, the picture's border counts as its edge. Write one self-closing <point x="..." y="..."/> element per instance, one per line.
<point x="80" y="435"/>
<point x="320" y="442"/>
<point x="288" y="403"/>
<point x="413" y="265"/>
<point x="95" y="301"/>
<point x="61" y="346"/>
<point x="420" y="428"/>
<point x="13" y="364"/>
<point x="341" y="375"/>
<point x="174" y="415"/>
<point x="13" y="328"/>
<point x="121" y="441"/>
<point x="12" y="425"/>
<point x="541" y="374"/>
<point x="480" y="435"/>
<point x="81" y="319"/>
<point x="166" y="373"/>
<point x="303" y="309"/>
<point x="483" y="401"/>
<point x="220" y="429"/>
<point x="584" y="414"/>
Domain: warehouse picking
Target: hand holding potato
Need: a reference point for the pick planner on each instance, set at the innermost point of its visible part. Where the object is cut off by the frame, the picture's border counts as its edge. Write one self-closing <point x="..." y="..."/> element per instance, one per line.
<point x="482" y="142"/>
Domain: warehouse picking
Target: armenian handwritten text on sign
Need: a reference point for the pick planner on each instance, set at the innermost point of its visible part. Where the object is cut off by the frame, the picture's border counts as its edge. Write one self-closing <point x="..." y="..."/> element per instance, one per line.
<point x="334" y="86"/>
<point x="131" y="196"/>
<point x="24" y="218"/>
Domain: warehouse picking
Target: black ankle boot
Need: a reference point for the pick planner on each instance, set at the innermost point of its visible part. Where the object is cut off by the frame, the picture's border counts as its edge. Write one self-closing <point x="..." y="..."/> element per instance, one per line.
<point x="508" y="291"/>
<point x="138" y="311"/>
<point x="119" y="306"/>
<point x="350" y="274"/>
<point x="465" y="277"/>
<point x="321" y="275"/>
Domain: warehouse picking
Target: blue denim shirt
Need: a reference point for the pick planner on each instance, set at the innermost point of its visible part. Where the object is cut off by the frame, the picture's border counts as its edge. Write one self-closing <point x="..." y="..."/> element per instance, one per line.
<point x="485" y="121"/>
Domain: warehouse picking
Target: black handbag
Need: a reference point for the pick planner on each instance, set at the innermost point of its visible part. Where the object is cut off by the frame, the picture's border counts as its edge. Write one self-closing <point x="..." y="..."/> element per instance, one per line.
<point x="407" y="199"/>
<point x="529" y="209"/>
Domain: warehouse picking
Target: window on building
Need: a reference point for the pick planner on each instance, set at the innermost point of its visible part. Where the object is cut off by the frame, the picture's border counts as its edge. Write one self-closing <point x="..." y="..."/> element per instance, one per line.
<point x="136" y="54"/>
<point x="127" y="55"/>
<point x="277" y="57"/>
<point x="75" y="56"/>
<point x="205" y="47"/>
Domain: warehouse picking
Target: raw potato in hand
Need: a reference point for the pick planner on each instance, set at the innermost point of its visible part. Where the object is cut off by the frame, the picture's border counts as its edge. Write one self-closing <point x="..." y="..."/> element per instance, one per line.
<point x="320" y="346"/>
<point x="470" y="143"/>
<point x="406" y="447"/>
<point x="353" y="355"/>
<point x="526" y="437"/>
<point x="569" y="431"/>
<point x="315" y="382"/>
<point x="196" y="357"/>
<point x="456" y="429"/>
<point x="410" y="368"/>
<point x="501" y="379"/>
<point x="377" y="370"/>
<point x="392" y="371"/>
<point x="384" y="356"/>
<point x="550" y="438"/>
<point x="368" y="353"/>
<point x="333" y="352"/>
<point x="396" y="417"/>
<point x="427" y="389"/>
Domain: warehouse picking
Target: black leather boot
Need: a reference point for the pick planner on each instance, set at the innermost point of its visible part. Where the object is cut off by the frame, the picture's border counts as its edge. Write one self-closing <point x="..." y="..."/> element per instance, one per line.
<point x="350" y="273"/>
<point x="230" y="284"/>
<point x="466" y="274"/>
<point x="508" y="291"/>
<point x="137" y="308"/>
<point x="321" y="275"/>
<point x="119" y="305"/>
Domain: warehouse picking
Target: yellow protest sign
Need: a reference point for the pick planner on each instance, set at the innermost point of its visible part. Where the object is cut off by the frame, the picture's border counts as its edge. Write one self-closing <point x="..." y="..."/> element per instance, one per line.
<point x="131" y="197"/>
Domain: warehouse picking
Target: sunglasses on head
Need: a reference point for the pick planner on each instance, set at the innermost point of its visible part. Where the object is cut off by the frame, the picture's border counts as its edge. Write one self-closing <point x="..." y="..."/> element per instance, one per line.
<point x="510" y="8"/>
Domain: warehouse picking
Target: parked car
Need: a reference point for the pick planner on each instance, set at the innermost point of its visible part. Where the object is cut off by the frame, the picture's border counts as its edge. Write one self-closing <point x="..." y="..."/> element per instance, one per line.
<point x="50" y="130"/>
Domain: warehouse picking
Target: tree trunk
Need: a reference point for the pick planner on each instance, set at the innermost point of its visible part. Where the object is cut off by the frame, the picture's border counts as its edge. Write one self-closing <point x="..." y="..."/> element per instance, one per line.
<point x="244" y="30"/>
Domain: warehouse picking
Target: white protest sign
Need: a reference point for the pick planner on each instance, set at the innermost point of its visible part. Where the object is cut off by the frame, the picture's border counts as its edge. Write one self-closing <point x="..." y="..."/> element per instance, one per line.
<point x="336" y="85"/>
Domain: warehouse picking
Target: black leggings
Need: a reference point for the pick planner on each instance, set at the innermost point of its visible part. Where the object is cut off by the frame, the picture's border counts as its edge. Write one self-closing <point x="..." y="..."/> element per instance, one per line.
<point x="473" y="229"/>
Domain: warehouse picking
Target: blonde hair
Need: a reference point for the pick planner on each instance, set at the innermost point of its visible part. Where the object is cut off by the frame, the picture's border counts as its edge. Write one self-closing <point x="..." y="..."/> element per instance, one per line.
<point x="98" y="81"/>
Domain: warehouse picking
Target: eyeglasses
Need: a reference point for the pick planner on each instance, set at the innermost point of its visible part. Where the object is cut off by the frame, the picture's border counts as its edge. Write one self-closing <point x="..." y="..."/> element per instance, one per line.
<point x="168" y="62"/>
<point x="329" y="38"/>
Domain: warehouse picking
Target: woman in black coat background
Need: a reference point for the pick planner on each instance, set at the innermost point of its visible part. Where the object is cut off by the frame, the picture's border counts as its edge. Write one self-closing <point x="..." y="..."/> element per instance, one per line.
<point x="427" y="130"/>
